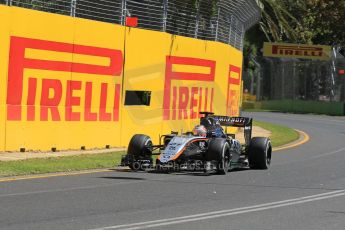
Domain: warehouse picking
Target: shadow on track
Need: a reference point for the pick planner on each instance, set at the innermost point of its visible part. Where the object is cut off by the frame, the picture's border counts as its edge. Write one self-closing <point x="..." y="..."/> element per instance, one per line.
<point x="181" y="172"/>
<point x="122" y="178"/>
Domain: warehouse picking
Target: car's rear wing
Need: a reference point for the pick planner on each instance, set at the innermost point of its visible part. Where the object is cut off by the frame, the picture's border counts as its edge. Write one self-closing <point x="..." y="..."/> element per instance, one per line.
<point x="233" y="121"/>
<point x="242" y="122"/>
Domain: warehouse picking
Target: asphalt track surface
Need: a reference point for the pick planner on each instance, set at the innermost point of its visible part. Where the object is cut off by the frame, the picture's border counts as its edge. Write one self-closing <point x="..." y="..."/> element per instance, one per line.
<point x="303" y="189"/>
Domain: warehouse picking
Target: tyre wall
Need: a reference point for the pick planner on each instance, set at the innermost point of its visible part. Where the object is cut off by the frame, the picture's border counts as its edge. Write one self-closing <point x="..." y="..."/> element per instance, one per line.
<point x="64" y="81"/>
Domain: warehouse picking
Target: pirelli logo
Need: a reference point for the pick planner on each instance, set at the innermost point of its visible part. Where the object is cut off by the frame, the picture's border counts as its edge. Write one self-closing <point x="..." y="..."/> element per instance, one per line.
<point x="297" y="51"/>
<point x="233" y="97"/>
<point x="51" y="81"/>
<point x="185" y="102"/>
<point x="56" y="81"/>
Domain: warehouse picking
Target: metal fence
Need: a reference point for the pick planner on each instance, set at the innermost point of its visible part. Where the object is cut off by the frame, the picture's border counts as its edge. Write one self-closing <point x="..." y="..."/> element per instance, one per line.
<point x="296" y="79"/>
<point x="217" y="20"/>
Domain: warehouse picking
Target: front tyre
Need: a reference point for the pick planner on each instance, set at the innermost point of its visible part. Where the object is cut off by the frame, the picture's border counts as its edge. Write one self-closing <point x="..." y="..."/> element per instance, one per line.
<point x="140" y="145"/>
<point x="259" y="153"/>
<point x="219" y="151"/>
<point x="135" y="166"/>
<point x="140" y="152"/>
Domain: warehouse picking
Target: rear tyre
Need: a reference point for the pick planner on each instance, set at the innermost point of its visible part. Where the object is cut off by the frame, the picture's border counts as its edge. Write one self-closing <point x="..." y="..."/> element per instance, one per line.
<point x="140" y="145"/>
<point x="140" y="150"/>
<point x="259" y="153"/>
<point x="219" y="151"/>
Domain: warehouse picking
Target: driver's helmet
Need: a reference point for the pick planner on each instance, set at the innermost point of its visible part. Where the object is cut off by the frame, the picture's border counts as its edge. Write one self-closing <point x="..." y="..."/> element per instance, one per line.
<point x="200" y="130"/>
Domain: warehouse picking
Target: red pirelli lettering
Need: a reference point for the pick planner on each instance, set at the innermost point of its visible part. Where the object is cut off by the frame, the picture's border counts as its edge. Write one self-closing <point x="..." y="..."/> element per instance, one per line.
<point x="184" y="93"/>
<point x="88" y="114"/>
<point x="232" y="98"/>
<point x="183" y="102"/>
<point x="31" y="99"/>
<point x="103" y="114"/>
<point x="18" y="62"/>
<point x="72" y="100"/>
<point x="194" y="102"/>
<point x="50" y="103"/>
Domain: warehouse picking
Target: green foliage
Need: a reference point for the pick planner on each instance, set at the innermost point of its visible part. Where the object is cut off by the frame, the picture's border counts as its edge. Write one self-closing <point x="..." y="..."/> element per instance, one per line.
<point x="277" y="19"/>
<point x="278" y="23"/>
<point x="298" y="21"/>
<point x="324" y="20"/>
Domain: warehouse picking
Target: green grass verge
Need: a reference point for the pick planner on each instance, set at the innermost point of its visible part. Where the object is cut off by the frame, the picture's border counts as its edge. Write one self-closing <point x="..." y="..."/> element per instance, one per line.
<point x="260" y="110"/>
<point x="280" y="135"/>
<point x="59" y="164"/>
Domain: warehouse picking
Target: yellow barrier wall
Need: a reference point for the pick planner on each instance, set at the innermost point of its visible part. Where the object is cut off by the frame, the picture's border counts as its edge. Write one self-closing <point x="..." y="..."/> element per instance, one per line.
<point x="64" y="81"/>
<point x="4" y="52"/>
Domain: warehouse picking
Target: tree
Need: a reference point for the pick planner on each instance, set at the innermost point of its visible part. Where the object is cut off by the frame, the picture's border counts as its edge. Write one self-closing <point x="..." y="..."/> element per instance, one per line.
<point x="297" y="21"/>
<point x="325" y="21"/>
<point x="277" y="19"/>
<point x="277" y="24"/>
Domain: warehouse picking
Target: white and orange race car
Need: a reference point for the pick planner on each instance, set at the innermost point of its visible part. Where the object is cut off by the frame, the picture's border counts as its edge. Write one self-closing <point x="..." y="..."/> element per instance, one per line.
<point x="208" y="148"/>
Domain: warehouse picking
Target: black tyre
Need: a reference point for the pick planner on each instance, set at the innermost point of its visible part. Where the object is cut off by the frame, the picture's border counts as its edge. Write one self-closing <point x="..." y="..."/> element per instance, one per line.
<point x="140" y="146"/>
<point x="219" y="151"/>
<point x="259" y="153"/>
<point x="135" y="166"/>
<point x="140" y="152"/>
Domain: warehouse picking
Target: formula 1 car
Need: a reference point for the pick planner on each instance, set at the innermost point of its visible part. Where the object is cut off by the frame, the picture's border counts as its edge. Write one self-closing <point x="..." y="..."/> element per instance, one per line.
<point x="214" y="151"/>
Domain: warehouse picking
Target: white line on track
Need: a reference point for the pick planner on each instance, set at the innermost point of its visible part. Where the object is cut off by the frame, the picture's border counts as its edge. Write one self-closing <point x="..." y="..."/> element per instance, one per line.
<point x="330" y="153"/>
<point x="222" y="213"/>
